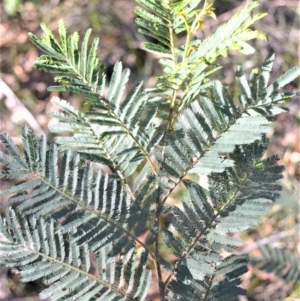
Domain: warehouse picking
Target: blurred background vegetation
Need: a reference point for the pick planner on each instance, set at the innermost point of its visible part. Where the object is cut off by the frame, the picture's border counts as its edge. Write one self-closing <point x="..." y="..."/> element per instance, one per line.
<point x="24" y="100"/>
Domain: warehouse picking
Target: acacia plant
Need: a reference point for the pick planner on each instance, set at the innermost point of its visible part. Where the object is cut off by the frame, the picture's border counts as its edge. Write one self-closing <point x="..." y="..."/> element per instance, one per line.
<point x="64" y="207"/>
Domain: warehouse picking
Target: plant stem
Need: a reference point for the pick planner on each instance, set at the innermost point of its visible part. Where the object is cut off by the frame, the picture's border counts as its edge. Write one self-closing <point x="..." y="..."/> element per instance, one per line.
<point x="209" y="287"/>
<point x="170" y="118"/>
<point x="161" y="284"/>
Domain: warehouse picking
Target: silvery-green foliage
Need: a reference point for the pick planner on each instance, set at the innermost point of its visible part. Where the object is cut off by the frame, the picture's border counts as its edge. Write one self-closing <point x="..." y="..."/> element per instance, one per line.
<point x="63" y="208"/>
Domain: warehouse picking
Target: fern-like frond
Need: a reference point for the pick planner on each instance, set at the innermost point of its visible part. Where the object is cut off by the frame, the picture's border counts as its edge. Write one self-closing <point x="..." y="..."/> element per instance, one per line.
<point x="235" y="34"/>
<point x="222" y="285"/>
<point x="282" y="262"/>
<point x="238" y="197"/>
<point x="186" y="65"/>
<point x="109" y="114"/>
<point x="94" y="206"/>
<point x="97" y="137"/>
<point x="235" y="201"/>
<point x="35" y="250"/>
<point x="214" y="125"/>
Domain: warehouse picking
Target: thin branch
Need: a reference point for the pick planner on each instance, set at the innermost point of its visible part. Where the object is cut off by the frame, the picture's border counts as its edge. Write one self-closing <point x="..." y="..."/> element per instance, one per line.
<point x="14" y="103"/>
<point x="161" y="284"/>
<point x="265" y="241"/>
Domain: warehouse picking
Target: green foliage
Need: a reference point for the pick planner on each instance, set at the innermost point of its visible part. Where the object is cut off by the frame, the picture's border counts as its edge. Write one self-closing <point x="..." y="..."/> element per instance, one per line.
<point x="66" y="208"/>
<point x="187" y="66"/>
<point x="34" y="249"/>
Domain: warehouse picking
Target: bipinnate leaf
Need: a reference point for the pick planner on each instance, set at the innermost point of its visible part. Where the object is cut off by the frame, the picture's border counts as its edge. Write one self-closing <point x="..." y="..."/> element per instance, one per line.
<point x="59" y="188"/>
<point x="39" y="252"/>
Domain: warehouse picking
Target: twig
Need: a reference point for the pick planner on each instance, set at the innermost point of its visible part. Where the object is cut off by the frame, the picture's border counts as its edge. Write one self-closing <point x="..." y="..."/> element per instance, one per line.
<point x="161" y="285"/>
<point x="15" y="103"/>
<point x="265" y="241"/>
